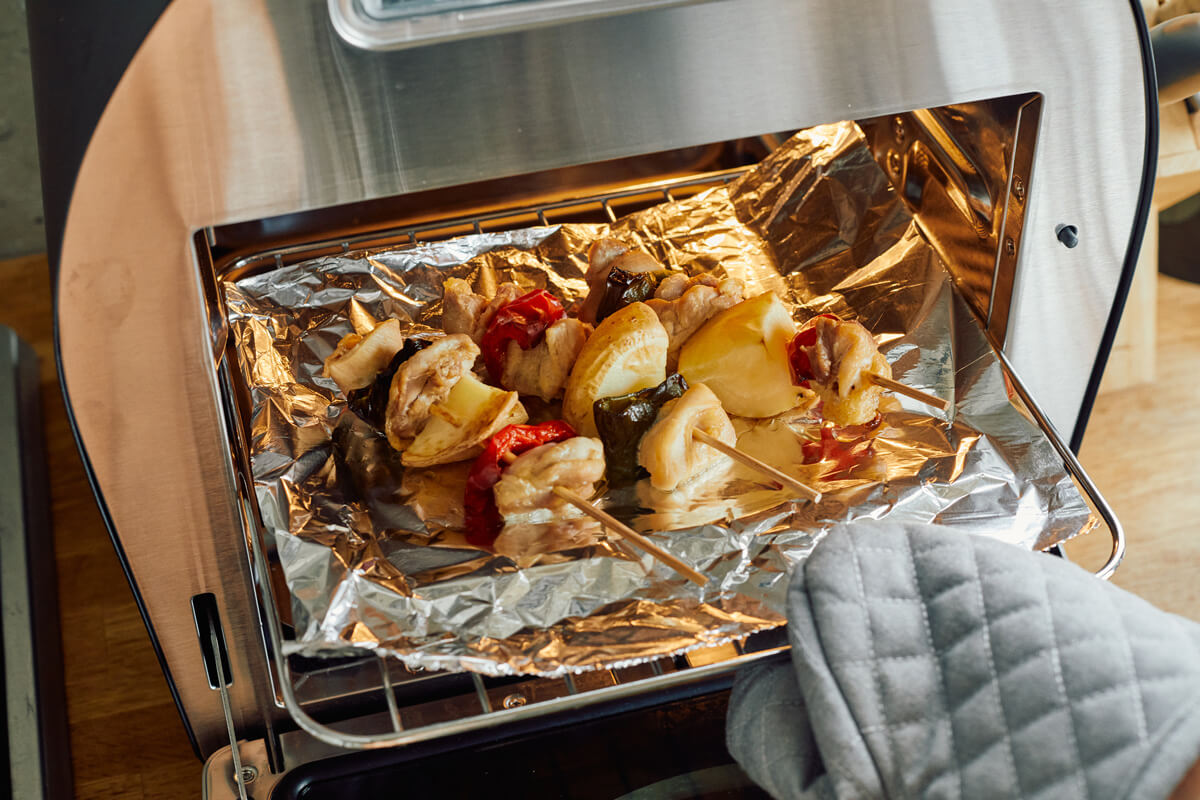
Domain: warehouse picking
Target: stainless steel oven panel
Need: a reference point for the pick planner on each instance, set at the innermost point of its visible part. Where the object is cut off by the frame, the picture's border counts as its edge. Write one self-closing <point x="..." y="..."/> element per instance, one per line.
<point x="240" y="109"/>
<point x="963" y="172"/>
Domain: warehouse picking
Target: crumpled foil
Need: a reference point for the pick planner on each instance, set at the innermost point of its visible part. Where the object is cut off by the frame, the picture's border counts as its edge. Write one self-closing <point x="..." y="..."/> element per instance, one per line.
<point x="372" y="552"/>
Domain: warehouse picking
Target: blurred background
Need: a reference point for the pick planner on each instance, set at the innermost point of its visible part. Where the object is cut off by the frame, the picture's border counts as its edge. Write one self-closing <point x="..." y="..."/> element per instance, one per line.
<point x="21" y="230"/>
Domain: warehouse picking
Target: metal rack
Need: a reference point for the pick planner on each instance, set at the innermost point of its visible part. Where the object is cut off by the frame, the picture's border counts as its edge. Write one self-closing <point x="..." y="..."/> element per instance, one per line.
<point x="403" y="705"/>
<point x="606" y="207"/>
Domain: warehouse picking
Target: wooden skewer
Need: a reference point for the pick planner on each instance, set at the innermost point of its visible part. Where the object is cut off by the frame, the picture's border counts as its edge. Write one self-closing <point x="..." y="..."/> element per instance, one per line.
<point x="908" y="391"/>
<point x="627" y="533"/>
<point x="781" y="478"/>
<point x="630" y="535"/>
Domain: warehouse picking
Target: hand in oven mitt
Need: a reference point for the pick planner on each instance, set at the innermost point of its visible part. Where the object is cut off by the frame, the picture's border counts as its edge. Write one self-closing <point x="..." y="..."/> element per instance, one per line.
<point x="929" y="663"/>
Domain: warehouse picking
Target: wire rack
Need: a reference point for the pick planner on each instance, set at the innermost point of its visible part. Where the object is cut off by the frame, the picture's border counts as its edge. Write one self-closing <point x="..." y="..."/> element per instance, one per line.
<point x="397" y="707"/>
<point x="597" y="208"/>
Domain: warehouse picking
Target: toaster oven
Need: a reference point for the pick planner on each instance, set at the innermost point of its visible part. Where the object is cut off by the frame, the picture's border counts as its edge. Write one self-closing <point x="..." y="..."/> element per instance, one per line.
<point x="197" y="141"/>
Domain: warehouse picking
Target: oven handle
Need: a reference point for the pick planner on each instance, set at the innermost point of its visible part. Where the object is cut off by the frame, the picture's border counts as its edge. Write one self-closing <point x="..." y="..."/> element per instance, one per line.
<point x="1176" y="47"/>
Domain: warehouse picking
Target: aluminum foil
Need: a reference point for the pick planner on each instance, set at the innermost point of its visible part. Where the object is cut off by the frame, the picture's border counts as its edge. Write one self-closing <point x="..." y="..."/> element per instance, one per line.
<point x="372" y="552"/>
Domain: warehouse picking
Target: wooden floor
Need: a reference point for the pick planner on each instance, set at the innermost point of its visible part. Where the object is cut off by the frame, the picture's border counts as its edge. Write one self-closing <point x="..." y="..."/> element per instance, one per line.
<point x="1142" y="447"/>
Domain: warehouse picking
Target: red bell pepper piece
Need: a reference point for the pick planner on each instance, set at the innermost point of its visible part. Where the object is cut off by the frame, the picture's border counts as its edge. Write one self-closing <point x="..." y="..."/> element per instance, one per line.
<point x="481" y="518"/>
<point x="523" y="321"/>
<point x="844" y="453"/>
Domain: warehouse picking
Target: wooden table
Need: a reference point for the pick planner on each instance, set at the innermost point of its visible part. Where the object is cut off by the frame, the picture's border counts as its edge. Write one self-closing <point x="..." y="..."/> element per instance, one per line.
<point x="126" y="739"/>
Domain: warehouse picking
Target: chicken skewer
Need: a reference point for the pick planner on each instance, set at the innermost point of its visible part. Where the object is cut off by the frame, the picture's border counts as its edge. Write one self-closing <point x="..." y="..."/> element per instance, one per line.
<point x="782" y="478"/>
<point x="675" y="433"/>
<point x="616" y="526"/>
<point x="840" y="361"/>
<point x="713" y="337"/>
<point x="630" y="535"/>
<point x="553" y="464"/>
<point x="760" y="365"/>
<point x="525" y="468"/>
<point x="619" y="276"/>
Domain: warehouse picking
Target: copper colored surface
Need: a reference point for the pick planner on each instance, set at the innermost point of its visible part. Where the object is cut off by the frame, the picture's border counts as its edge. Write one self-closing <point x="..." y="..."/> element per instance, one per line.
<point x="126" y="738"/>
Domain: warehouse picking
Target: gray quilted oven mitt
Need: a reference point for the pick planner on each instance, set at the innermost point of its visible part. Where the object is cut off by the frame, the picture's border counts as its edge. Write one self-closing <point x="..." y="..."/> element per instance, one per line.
<point x="930" y="663"/>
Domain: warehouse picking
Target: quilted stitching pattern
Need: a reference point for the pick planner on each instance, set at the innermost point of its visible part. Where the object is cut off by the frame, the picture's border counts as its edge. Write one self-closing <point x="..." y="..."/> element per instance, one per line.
<point x="933" y="664"/>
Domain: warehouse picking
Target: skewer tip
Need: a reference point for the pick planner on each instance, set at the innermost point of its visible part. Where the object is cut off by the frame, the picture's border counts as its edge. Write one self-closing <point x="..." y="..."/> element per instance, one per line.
<point x="776" y="476"/>
<point x="630" y="535"/>
<point x="908" y="391"/>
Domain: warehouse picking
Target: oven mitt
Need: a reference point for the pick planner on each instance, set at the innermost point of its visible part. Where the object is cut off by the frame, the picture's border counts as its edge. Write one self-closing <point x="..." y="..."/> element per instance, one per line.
<point x="930" y="663"/>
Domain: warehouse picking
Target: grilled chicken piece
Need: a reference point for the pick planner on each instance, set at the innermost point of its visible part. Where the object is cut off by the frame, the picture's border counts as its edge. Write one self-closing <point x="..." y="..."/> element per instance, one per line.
<point x="464" y="311"/>
<point x="842" y="358"/>
<point x="461" y="307"/>
<point x="358" y="359"/>
<point x="424" y="381"/>
<point x="458" y="428"/>
<point x="604" y="256"/>
<point x="526" y="540"/>
<point x="684" y="304"/>
<point x="543" y="369"/>
<point x="668" y="451"/>
<point x="528" y="482"/>
<point x="600" y="257"/>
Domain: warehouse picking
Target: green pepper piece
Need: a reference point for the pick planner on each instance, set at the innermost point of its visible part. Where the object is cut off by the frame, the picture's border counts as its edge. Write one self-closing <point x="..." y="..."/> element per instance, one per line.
<point x="623" y="420"/>
<point x="622" y="288"/>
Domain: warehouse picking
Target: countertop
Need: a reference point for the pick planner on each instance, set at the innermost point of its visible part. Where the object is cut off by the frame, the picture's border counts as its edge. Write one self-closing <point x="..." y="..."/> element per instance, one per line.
<point x="126" y="737"/>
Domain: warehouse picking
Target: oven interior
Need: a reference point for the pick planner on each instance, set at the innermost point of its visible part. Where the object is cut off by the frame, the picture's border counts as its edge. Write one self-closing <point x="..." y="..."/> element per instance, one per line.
<point x="964" y="172"/>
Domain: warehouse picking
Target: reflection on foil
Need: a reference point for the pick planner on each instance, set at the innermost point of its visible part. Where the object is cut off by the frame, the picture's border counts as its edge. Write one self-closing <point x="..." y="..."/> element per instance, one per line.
<point x="373" y="553"/>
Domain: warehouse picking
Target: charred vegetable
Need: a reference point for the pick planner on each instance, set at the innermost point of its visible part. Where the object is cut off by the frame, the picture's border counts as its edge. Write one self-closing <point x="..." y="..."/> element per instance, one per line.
<point x="367" y="469"/>
<point x="622" y="422"/>
<point x="370" y="402"/>
<point x="622" y="288"/>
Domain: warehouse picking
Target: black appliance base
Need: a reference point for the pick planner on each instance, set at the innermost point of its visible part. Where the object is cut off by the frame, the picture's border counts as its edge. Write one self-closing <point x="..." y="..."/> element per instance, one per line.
<point x="669" y="752"/>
